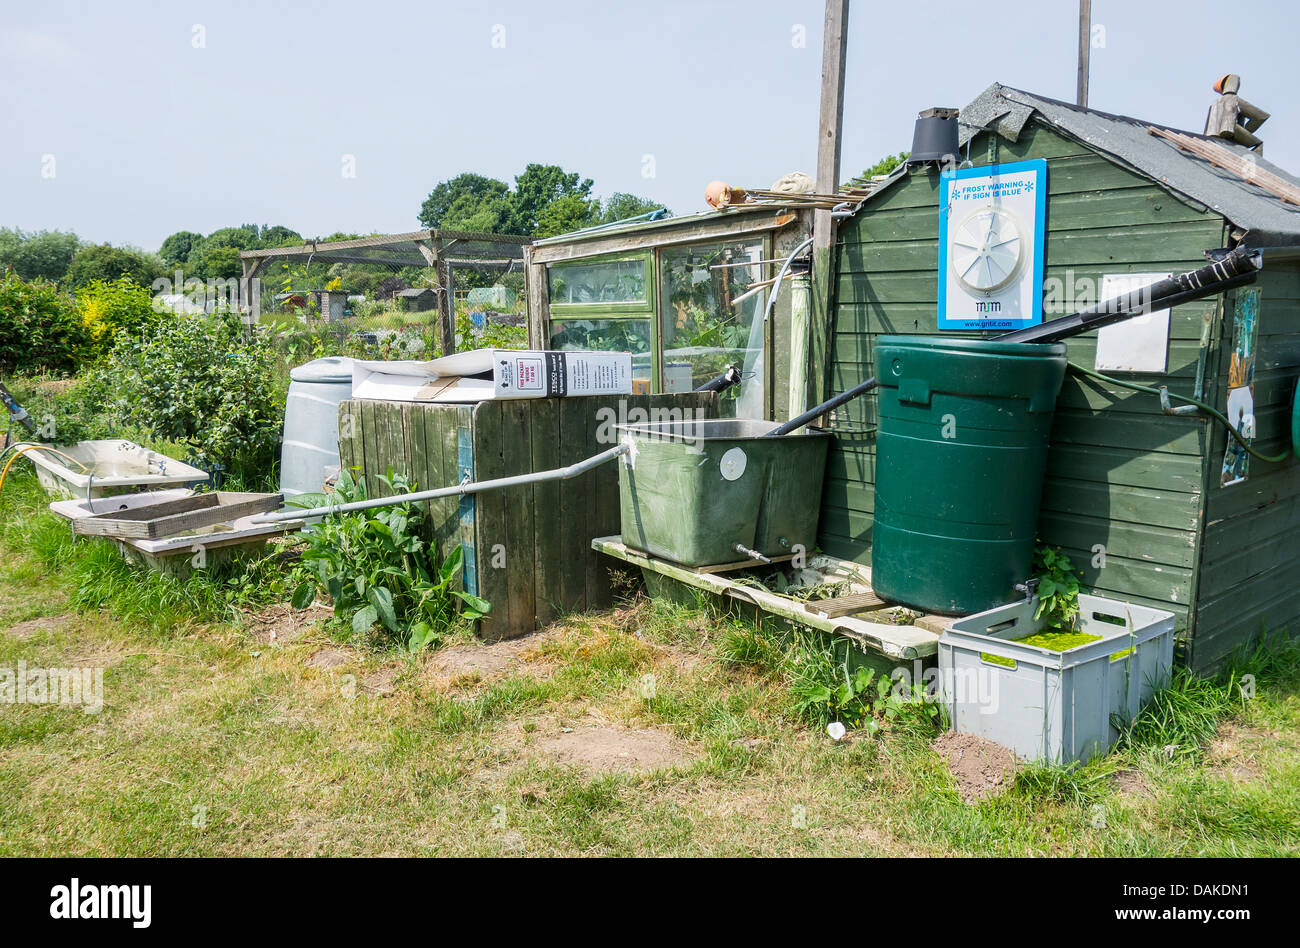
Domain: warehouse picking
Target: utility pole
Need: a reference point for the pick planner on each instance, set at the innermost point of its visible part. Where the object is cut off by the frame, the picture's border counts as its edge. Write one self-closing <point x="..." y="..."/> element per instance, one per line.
<point x="830" y="122"/>
<point x="1085" y="45"/>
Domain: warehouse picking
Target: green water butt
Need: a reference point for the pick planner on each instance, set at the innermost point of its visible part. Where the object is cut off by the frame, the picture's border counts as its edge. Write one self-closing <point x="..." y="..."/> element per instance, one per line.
<point x="961" y="452"/>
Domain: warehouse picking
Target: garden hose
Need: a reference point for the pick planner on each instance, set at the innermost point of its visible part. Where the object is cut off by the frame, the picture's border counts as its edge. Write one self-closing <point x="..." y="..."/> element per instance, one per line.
<point x="1209" y="409"/>
<point x="24" y="448"/>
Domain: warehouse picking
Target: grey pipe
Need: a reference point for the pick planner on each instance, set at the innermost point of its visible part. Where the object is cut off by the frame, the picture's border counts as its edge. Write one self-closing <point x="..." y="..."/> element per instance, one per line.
<point x="456" y="490"/>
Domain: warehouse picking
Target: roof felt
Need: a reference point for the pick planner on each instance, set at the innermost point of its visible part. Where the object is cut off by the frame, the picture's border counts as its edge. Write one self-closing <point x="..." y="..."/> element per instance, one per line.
<point x="1267" y="220"/>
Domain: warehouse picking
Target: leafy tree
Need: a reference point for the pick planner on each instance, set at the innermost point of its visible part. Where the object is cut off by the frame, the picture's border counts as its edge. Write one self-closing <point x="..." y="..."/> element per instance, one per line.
<point x="46" y="254"/>
<point x="565" y="214"/>
<point x="215" y="261"/>
<point x="883" y="166"/>
<point x="244" y="237"/>
<point x="39" y="328"/>
<point x="620" y="205"/>
<point x="278" y="236"/>
<point x="176" y="249"/>
<point x="467" y="202"/>
<point x="106" y="262"/>
<point x="538" y="187"/>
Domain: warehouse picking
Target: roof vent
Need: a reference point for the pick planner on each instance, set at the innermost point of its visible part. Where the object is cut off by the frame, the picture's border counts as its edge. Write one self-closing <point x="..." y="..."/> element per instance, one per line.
<point x="1233" y="117"/>
<point x="934" y="137"/>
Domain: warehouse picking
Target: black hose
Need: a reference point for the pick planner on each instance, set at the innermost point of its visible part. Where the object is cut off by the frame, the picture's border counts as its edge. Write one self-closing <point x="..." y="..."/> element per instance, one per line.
<point x="719" y="383"/>
<point x="813" y="413"/>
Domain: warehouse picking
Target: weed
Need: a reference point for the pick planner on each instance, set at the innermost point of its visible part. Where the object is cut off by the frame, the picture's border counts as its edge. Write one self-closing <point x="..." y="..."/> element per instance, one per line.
<point x="379" y="569"/>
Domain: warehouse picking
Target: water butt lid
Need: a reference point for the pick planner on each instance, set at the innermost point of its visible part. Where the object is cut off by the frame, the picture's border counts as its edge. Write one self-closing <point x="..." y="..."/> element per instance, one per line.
<point x="335" y="369"/>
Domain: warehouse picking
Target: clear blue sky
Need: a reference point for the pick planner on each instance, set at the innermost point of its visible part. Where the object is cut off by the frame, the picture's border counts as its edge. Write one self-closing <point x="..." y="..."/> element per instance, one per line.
<point x="151" y="135"/>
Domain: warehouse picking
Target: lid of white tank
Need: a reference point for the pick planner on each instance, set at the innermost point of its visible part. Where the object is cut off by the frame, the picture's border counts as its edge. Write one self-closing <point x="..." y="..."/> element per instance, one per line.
<point x="329" y="369"/>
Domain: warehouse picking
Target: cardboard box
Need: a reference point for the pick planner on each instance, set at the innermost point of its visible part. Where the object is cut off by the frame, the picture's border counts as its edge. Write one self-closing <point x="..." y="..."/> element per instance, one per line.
<point x="495" y="373"/>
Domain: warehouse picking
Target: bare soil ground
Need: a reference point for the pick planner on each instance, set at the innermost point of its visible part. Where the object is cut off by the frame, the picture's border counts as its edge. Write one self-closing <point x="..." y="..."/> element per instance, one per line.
<point x="979" y="767"/>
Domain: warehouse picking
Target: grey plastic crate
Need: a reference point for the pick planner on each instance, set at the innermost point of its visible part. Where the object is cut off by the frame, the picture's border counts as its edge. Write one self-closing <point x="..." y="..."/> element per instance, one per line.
<point x="1054" y="706"/>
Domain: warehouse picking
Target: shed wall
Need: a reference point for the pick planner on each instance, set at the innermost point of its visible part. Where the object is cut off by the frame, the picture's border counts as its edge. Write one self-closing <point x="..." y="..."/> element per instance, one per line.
<point x="1121" y="474"/>
<point x="1250" y="554"/>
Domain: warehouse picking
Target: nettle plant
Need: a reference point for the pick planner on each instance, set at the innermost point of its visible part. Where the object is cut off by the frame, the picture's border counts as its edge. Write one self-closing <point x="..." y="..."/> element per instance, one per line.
<point x="1058" y="588"/>
<point x="379" y="570"/>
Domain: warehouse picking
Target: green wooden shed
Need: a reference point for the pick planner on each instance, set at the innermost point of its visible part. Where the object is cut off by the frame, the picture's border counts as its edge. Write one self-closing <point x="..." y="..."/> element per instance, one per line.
<point x="1152" y="507"/>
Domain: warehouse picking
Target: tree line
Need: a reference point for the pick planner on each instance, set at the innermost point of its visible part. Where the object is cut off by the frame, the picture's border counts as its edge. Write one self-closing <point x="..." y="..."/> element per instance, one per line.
<point x="544" y="200"/>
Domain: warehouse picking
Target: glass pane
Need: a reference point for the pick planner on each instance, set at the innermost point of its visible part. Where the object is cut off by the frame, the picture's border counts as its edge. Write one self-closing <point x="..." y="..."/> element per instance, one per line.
<point x="609" y="281"/>
<point x="609" y="335"/>
<point x="705" y="329"/>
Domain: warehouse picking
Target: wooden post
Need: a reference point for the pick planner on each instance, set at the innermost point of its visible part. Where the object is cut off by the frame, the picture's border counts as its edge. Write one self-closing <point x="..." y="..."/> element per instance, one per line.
<point x="250" y="290"/>
<point x="1085" y="46"/>
<point x="831" y="121"/>
<point x="539" y="307"/>
<point x="830" y="125"/>
<point x="446" y="308"/>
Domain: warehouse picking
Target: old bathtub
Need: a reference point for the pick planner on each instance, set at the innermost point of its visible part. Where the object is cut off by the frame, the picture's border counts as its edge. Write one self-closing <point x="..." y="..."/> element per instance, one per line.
<point x="104" y="468"/>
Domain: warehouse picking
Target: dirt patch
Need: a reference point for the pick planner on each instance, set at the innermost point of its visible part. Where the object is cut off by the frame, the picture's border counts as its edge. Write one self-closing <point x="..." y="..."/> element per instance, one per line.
<point x="25" y="630"/>
<point x="1130" y="783"/>
<point x="1234" y="748"/>
<point x="381" y="683"/>
<point x="472" y="661"/>
<point x="282" y="623"/>
<point x="980" y="767"/>
<point x="459" y="665"/>
<point x="328" y="658"/>
<point x="614" y="750"/>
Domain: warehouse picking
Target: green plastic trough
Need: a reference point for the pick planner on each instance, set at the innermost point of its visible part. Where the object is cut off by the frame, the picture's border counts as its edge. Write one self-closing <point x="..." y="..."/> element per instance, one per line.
<point x="707" y="493"/>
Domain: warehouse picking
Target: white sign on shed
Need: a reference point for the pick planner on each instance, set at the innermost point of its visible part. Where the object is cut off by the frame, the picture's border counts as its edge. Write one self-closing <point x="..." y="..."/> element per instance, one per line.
<point x="1140" y="344"/>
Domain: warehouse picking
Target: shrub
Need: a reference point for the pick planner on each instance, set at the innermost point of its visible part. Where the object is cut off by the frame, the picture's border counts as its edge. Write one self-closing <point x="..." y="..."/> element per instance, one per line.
<point x="208" y="382"/>
<point x="108" y="307"/>
<point x="378" y="569"/>
<point x="39" y="328"/>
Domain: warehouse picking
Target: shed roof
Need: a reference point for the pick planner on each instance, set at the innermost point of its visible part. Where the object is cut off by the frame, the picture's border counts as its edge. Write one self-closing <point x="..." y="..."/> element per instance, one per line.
<point x="1267" y="220"/>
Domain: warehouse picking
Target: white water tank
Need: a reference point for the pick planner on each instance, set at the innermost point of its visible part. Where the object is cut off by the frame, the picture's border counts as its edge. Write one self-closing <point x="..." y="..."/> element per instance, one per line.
<point x="310" y="452"/>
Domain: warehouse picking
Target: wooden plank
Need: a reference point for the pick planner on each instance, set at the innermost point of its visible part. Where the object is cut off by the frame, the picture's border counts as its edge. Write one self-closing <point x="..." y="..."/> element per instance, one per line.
<point x="173" y="517"/>
<point x="1249" y="171"/>
<point x="491" y="533"/>
<point x="369" y="428"/>
<point x="723" y="224"/>
<point x="399" y="453"/>
<point x="574" y="506"/>
<point x="349" y="437"/>
<point x="1162" y="508"/>
<point x="544" y="443"/>
<point x="518" y="519"/>
<point x="539" y="305"/>
<point x="596" y="491"/>
<point x="458" y="464"/>
<point x="845" y="605"/>
<point x="897" y="641"/>
<point x="444" y="512"/>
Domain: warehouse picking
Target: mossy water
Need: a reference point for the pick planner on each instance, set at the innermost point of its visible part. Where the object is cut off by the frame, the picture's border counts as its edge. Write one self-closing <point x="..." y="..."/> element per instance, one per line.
<point x="1054" y="640"/>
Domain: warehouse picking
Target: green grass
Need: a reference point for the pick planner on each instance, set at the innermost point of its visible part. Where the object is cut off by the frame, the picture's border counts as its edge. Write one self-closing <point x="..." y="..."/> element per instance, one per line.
<point x="214" y="742"/>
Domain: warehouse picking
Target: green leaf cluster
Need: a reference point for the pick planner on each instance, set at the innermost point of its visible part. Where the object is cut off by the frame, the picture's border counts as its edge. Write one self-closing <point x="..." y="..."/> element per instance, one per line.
<point x="379" y="570"/>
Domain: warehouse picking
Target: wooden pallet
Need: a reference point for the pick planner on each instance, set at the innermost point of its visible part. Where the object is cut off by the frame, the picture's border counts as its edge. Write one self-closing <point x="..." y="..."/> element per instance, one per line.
<point x="887" y="637"/>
